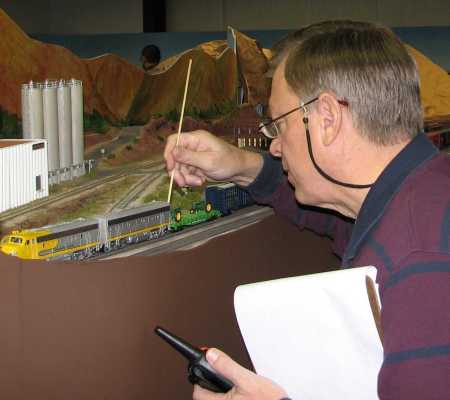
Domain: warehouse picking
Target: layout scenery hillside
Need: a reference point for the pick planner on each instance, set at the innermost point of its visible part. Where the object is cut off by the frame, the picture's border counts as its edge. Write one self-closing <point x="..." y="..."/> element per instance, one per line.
<point x="114" y="88"/>
<point x="121" y="93"/>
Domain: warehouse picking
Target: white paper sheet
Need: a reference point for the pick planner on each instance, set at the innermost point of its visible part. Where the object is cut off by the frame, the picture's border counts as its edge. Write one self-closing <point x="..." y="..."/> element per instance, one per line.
<point x="314" y="335"/>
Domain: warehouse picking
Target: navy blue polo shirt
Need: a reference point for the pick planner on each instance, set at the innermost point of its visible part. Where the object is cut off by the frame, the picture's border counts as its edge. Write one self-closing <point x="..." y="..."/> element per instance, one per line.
<point x="403" y="229"/>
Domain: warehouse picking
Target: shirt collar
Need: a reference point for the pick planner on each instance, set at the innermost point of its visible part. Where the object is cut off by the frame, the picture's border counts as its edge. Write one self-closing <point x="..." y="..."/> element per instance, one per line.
<point x="384" y="189"/>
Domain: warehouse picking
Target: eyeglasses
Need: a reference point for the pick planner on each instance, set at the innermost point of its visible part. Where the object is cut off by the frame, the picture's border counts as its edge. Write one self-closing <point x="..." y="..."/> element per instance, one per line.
<point x="270" y="128"/>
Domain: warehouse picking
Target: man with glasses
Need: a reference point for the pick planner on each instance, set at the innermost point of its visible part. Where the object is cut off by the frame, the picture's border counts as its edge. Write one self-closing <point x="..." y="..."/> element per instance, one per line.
<point x="346" y="127"/>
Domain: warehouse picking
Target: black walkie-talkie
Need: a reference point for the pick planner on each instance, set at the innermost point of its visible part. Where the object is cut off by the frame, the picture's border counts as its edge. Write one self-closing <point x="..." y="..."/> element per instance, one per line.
<point x="199" y="370"/>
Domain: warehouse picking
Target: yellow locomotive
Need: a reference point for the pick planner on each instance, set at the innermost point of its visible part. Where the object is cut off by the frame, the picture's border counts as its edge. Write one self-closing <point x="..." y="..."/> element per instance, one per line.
<point x="24" y="244"/>
<point x="83" y="238"/>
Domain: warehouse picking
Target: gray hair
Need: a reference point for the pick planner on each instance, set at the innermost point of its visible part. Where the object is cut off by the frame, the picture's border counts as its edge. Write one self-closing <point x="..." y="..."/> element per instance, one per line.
<point x="364" y="64"/>
<point x="281" y="49"/>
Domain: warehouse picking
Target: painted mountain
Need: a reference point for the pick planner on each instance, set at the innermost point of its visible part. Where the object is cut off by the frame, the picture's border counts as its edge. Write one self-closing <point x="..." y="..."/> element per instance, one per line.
<point x="434" y="89"/>
<point x="212" y="84"/>
<point x="121" y="93"/>
<point x="253" y="65"/>
<point x="113" y="88"/>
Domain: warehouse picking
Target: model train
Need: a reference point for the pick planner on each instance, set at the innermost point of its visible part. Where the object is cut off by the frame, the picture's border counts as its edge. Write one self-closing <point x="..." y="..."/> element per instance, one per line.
<point x="227" y="197"/>
<point x="82" y="239"/>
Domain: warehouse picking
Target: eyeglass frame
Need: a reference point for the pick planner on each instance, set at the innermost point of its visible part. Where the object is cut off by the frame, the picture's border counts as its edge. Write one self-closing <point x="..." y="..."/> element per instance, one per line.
<point x="263" y="126"/>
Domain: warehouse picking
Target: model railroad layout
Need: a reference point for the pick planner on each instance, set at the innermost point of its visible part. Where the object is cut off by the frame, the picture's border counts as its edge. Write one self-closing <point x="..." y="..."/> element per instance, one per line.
<point x="86" y="238"/>
<point x="94" y="184"/>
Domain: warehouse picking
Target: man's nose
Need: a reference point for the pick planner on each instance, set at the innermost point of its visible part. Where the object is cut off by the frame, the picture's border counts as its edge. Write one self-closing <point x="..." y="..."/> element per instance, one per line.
<point x="275" y="147"/>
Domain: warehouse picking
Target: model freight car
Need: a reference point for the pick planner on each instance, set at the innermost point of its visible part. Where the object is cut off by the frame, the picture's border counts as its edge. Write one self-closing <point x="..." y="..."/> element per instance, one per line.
<point x="134" y="225"/>
<point x="227" y="197"/>
<point x="81" y="239"/>
<point x="199" y="213"/>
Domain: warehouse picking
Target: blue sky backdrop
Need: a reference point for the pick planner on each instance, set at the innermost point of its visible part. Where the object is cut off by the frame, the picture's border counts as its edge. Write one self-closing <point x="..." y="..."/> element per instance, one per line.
<point x="434" y="42"/>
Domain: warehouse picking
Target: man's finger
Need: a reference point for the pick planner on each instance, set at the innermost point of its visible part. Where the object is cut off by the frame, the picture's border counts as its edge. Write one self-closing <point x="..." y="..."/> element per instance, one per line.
<point x="170" y="162"/>
<point x="192" y="158"/>
<point x="193" y="180"/>
<point x="179" y="178"/>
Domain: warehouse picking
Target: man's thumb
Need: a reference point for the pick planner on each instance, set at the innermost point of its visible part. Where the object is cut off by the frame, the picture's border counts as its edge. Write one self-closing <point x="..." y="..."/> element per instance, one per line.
<point x="226" y="366"/>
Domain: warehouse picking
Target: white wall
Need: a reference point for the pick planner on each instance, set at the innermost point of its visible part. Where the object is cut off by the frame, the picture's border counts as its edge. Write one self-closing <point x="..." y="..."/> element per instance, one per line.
<point x="20" y="164"/>
<point x="204" y="15"/>
<point x="75" y="17"/>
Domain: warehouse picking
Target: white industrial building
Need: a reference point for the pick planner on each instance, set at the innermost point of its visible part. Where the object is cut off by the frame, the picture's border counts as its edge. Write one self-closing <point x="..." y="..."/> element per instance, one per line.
<point x="23" y="172"/>
<point x="53" y="110"/>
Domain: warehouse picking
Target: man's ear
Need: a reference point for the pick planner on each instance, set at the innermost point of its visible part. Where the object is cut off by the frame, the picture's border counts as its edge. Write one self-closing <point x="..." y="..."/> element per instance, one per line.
<point x="330" y="115"/>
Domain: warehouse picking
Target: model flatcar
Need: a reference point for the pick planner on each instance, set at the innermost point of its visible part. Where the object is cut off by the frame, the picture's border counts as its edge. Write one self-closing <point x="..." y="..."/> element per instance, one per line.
<point x="200" y="212"/>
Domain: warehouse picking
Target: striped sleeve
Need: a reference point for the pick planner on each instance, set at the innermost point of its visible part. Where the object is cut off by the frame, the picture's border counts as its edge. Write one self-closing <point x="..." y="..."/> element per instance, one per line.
<point x="272" y="188"/>
<point x="416" y="323"/>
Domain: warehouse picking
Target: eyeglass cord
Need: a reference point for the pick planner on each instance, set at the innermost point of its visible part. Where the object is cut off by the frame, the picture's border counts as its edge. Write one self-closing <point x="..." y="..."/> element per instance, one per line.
<point x="323" y="173"/>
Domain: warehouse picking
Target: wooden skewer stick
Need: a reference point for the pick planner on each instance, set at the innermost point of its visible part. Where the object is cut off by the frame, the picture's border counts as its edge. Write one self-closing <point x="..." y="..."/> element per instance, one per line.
<point x="179" y="125"/>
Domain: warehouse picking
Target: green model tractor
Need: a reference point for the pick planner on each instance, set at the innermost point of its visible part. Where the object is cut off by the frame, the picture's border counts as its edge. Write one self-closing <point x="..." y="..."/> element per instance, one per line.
<point x="200" y="212"/>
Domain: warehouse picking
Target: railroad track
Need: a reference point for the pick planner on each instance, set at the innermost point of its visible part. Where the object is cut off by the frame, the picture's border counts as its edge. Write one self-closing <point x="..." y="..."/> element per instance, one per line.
<point x="38" y="204"/>
<point x="193" y="236"/>
<point x="135" y="192"/>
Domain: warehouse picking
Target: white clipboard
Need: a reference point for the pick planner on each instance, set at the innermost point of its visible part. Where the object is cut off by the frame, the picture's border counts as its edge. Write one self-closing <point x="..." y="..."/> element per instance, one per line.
<point x="315" y="335"/>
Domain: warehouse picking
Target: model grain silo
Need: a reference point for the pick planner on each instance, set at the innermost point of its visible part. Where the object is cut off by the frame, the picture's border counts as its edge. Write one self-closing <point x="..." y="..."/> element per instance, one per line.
<point x="76" y="95"/>
<point x="64" y="125"/>
<point x="32" y="111"/>
<point x="50" y="103"/>
<point x="25" y="111"/>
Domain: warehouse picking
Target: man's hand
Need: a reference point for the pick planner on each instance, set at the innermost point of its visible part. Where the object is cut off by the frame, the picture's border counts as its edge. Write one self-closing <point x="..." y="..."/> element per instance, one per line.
<point x="200" y="156"/>
<point x="247" y="385"/>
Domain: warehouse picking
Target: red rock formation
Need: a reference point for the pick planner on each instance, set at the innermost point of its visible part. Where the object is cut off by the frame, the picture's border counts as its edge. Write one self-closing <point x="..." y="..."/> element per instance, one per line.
<point x="121" y="92"/>
<point x="116" y="83"/>
<point x="213" y="81"/>
<point x="116" y="89"/>
<point x="23" y="59"/>
<point x="253" y="65"/>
